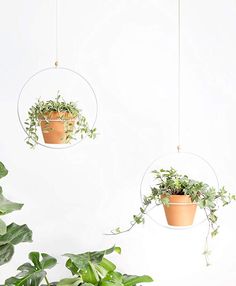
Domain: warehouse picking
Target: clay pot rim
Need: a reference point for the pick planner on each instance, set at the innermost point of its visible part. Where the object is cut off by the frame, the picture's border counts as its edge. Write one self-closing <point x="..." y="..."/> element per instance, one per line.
<point x="55" y="116"/>
<point x="181" y="203"/>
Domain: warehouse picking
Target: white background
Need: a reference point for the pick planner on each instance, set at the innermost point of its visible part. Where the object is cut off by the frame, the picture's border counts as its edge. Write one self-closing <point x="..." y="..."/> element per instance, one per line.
<point x="128" y="51"/>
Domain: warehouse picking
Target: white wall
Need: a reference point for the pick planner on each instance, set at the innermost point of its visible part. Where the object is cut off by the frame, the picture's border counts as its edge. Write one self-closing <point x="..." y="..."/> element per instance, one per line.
<point x="127" y="49"/>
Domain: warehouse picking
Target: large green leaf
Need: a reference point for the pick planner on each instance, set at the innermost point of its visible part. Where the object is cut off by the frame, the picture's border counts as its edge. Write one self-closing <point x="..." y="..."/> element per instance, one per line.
<point x="46" y="262"/>
<point x="3" y="170"/>
<point x="91" y="266"/>
<point x="27" y="278"/>
<point x="7" y="206"/>
<point x="132" y="280"/>
<point x="3" y="227"/>
<point x="32" y="274"/>
<point x="14" y="235"/>
<point x="81" y="261"/>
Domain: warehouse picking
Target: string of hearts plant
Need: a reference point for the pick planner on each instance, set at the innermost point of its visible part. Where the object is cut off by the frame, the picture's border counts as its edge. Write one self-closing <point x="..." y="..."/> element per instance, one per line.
<point x="12" y="234"/>
<point x="60" y="122"/>
<point x="169" y="186"/>
<point x="87" y="269"/>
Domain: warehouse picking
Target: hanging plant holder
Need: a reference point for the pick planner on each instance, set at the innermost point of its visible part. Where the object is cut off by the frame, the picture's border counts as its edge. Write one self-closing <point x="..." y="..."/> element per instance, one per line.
<point x="181" y="212"/>
<point x="180" y="195"/>
<point x="62" y="122"/>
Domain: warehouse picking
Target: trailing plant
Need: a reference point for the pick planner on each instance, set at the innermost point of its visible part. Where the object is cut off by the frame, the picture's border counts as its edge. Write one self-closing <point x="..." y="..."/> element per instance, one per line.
<point x="12" y="234"/>
<point x="169" y="182"/>
<point x="42" y="110"/>
<point x="87" y="269"/>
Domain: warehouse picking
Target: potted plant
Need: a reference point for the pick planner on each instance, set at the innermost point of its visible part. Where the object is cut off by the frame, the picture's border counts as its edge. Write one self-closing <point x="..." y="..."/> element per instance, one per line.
<point x="12" y="234"/>
<point x="60" y="122"/>
<point x="87" y="269"/>
<point x="180" y="197"/>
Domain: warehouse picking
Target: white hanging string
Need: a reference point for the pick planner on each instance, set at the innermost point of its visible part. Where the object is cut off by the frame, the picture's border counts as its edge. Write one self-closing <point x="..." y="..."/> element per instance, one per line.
<point x="56" y="34"/>
<point x="179" y="78"/>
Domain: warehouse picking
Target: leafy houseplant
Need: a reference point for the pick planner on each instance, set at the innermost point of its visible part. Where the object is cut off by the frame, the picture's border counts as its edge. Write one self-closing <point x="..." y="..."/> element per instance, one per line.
<point x="87" y="269"/>
<point x="60" y="122"/>
<point x="12" y="234"/>
<point x="178" y="192"/>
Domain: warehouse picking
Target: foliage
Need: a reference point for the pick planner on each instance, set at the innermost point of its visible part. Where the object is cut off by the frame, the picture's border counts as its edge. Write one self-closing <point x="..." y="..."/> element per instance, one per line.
<point x="169" y="182"/>
<point x="42" y="110"/>
<point x="87" y="269"/>
<point x="33" y="273"/>
<point x="12" y="234"/>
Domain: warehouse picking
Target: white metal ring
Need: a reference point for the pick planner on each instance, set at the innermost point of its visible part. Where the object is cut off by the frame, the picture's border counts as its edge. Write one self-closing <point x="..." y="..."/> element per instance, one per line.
<point x="57" y="68"/>
<point x="148" y="169"/>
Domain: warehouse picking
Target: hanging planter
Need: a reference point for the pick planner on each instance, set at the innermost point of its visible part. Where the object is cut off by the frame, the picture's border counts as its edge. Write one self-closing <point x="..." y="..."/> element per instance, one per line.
<point x="179" y="195"/>
<point x="60" y="122"/>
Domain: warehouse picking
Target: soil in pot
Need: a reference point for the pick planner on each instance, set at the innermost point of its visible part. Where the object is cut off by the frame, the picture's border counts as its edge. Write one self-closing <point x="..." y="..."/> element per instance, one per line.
<point x="57" y="126"/>
<point x="181" y="212"/>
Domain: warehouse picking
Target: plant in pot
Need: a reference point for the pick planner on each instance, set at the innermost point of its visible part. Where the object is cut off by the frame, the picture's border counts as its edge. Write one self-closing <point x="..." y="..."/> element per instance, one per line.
<point x="60" y="122"/>
<point x="180" y="197"/>
<point x="12" y="234"/>
<point x="87" y="269"/>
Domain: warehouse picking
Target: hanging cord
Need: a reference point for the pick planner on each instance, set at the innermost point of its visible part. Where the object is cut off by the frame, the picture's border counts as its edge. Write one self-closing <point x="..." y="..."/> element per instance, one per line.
<point x="56" y="36"/>
<point x="179" y="80"/>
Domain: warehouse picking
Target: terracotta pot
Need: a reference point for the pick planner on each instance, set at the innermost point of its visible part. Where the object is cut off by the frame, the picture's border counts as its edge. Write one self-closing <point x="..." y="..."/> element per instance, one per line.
<point x="57" y="127"/>
<point x="180" y="214"/>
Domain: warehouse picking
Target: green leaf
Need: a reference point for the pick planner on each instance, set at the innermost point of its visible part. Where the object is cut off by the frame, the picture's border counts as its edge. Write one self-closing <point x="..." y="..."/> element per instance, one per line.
<point x="112" y="279"/>
<point x="28" y="278"/>
<point x="32" y="274"/>
<point x="90" y="274"/>
<point x="107" y="264"/>
<point x="6" y="253"/>
<point x="81" y="261"/>
<point x="16" y="234"/>
<point x="111" y="283"/>
<point x="26" y="267"/>
<point x="48" y="261"/>
<point x="34" y="257"/>
<point x="3" y="227"/>
<point x="3" y="170"/>
<point x="131" y="280"/>
<point x="71" y="266"/>
<point x="7" y="206"/>
<point x="214" y="232"/>
<point x="70" y="282"/>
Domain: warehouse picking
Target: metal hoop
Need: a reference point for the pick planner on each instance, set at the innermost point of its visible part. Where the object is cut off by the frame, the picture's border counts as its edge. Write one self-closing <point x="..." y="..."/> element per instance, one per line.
<point x="169" y="154"/>
<point x="56" y="68"/>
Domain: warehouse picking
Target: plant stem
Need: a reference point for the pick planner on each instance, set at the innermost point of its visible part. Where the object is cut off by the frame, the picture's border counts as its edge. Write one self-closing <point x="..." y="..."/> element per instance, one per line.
<point x="206" y="249"/>
<point x="46" y="279"/>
